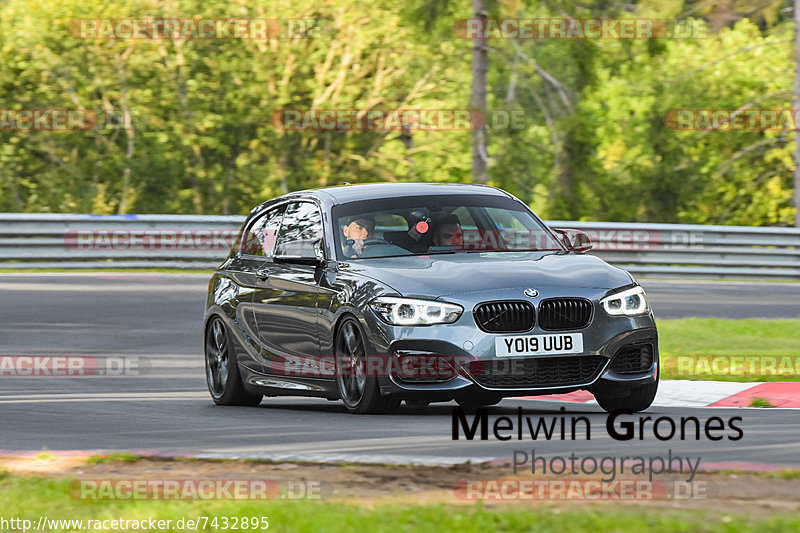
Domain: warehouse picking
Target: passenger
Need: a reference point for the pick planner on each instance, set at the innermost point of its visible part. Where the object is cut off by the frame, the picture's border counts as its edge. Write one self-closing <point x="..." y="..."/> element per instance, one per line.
<point x="357" y="229"/>
<point x="448" y="232"/>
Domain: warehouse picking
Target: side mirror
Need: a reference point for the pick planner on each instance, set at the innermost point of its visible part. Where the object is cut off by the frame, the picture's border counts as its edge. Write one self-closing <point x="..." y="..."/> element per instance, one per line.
<point x="575" y="240"/>
<point x="299" y="253"/>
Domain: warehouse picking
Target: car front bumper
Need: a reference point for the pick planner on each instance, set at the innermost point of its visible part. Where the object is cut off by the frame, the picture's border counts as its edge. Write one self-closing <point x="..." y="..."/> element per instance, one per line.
<point x="607" y="340"/>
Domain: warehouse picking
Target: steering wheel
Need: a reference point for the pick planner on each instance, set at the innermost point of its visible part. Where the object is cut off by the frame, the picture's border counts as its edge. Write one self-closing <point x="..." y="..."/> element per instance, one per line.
<point x="368" y="242"/>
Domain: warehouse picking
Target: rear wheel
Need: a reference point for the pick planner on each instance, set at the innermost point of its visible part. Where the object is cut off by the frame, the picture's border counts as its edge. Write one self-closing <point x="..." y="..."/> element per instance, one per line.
<point x="359" y="392"/>
<point x="639" y="399"/>
<point x="222" y="371"/>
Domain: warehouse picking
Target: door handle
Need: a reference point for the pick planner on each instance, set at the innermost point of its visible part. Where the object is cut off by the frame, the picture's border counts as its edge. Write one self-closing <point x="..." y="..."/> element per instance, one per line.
<point x="262" y="274"/>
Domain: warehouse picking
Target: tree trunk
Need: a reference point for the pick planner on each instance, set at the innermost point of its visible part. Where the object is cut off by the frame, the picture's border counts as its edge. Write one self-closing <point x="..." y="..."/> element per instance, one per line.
<point x="129" y="133"/>
<point x="480" y="65"/>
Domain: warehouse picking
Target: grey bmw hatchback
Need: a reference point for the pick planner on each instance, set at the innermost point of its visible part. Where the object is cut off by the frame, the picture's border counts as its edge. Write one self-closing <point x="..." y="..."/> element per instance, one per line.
<point x="421" y="292"/>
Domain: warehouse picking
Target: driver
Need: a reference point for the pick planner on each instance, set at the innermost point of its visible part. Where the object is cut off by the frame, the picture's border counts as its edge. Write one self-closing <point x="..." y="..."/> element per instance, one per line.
<point x="358" y="229"/>
<point x="448" y="232"/>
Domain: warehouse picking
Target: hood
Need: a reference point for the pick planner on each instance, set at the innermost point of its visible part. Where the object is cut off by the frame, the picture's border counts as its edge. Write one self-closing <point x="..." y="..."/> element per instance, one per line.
<point x="448" y="274"/>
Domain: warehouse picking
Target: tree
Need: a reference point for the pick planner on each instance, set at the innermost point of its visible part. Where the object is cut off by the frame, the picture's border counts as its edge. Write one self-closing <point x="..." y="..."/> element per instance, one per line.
<point x="797" y="106"/>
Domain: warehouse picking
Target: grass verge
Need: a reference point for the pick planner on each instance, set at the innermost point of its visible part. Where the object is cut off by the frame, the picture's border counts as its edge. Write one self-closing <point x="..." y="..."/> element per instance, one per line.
<point x="704" y="348"/>
<point x="31" y="497"/>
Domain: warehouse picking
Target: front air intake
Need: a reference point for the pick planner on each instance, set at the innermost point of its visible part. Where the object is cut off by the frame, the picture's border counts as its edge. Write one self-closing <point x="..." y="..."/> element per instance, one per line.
<point x="559" y="314"/>
<point x="505" y="316"/>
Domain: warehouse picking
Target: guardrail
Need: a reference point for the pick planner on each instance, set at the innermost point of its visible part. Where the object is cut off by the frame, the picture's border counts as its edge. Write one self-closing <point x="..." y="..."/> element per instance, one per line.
<point x="62" y="241"/>
<point x="696" y="251"/>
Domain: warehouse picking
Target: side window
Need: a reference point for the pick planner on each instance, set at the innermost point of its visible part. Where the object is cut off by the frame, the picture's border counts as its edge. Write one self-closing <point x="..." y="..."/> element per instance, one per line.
<point x="301" y="231"/>
<point x="263" y="233"/>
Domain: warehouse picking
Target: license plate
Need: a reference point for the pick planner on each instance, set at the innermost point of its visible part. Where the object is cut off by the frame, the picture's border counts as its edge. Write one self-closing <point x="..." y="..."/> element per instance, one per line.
<point x="538" y="344"/>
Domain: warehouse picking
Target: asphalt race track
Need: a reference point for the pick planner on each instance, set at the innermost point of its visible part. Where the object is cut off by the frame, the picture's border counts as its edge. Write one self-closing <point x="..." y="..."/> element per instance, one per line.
<point x="152" y="324"/>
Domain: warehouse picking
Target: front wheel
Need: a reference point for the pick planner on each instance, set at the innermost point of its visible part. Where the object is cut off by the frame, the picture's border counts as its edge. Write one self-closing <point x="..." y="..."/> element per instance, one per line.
<point x="222" y="371"/>
<point x="359" y="391"/>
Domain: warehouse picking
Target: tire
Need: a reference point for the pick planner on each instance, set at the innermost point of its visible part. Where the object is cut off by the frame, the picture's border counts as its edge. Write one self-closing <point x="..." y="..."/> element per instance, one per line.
<point x="222" y="371"/>
<point x="359" y="392"/>
<point x="477" y="400"/>
<point x="639" y="399"/>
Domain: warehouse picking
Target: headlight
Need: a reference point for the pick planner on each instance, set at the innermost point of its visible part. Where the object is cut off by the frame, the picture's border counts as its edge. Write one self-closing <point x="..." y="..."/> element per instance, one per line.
<point x="629" y="302"/>
<point x="411" y="312"/>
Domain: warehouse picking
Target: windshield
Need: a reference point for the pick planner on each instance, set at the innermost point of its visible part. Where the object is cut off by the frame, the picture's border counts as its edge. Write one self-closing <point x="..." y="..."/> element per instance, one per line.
<point x="425" y="225"/>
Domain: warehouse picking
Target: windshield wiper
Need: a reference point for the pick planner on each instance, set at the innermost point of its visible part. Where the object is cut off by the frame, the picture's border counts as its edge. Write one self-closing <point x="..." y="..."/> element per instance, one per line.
<point x="518" y="251"/>
<point x="439" y="252"/>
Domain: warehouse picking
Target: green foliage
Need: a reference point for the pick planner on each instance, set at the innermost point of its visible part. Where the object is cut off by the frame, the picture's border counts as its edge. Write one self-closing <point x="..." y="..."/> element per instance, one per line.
<point x="202" y="136"/>
<point x="593" y="145"/>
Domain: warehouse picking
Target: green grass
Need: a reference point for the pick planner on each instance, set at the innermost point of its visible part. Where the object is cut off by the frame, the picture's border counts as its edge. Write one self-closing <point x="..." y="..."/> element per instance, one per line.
<point x="718" y="336"/>
<point x="781" y="474"/>
<point x="760" y="402"/>
<point x="114" y="457"/>
<point x="29" y="497"/>
<point x="689" y="347"/>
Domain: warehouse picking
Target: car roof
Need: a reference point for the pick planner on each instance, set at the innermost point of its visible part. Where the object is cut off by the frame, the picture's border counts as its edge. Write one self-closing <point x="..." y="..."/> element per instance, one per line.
<point x="350" y="193"/>
<point x="368" y="191"/>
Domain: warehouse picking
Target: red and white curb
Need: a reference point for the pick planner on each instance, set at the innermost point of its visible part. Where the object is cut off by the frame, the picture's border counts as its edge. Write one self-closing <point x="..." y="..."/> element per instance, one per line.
<point x="685" y="393"/>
